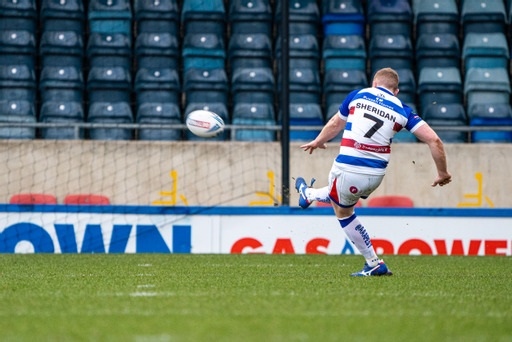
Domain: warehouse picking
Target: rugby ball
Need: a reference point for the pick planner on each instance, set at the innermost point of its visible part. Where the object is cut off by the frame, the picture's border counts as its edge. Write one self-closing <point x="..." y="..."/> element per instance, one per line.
<point x="204" y="123"/>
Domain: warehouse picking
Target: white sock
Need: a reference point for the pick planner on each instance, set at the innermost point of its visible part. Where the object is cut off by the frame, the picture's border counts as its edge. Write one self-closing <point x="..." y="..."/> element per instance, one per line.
<point x="320" y="194"/>
<point x="360" y="238"/>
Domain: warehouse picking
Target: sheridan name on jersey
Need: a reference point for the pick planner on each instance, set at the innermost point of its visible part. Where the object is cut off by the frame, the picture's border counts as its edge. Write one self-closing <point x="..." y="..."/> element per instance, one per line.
<point x="374" y="116"/>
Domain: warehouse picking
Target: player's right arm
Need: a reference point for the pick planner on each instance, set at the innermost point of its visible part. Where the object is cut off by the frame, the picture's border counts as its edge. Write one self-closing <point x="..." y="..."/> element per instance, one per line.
<point x="335" y="125"/>
<point x="427" y="135"/>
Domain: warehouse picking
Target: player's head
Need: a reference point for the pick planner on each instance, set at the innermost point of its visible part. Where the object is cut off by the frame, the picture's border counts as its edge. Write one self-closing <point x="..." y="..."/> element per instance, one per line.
<point x="387" y="78"/>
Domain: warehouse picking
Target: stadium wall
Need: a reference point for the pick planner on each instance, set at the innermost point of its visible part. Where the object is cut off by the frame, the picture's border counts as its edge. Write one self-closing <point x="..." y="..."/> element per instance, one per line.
<point x="239" y="173"/>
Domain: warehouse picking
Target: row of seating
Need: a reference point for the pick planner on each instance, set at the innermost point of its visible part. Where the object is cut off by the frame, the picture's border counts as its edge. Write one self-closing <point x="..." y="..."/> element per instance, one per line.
<point x="203" y="55"/>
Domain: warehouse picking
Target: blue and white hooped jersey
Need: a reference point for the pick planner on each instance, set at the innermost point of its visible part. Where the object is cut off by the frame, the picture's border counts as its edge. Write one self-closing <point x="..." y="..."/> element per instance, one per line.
<point x="374" y="116"/>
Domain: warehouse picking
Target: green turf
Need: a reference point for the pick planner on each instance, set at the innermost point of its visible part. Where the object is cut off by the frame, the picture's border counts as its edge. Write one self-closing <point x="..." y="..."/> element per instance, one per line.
<point x="252" y="298"/>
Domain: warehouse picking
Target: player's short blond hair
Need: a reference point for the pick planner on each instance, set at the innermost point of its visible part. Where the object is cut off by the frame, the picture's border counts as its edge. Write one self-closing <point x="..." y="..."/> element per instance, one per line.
<point x="387" y="78"/>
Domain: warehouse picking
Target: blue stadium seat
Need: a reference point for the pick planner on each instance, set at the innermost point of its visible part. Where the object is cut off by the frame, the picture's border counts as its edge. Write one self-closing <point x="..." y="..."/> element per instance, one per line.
<point x="157" y="86"/>
<point x="157" y="50"/>
<point x="250" y="45"/>
<point x="254" y="114"/>
<point x="483" y="86"/>
<point x="157" y="16"/>
<point x="491" y="115"/>
<point x="199" y="16"/>
<point x="339" y="83"/>
<point x="109" y="84"/>
<point x="109" y="50"/>
<point x="157" y="114"/>
<point x="18" y="15"/>
<point x="110" y="16"/>
<point x="64" y="48"/>
<point x="483" y="16"/>
<point x="342" y="17"/>
<point x="205" y="86"/>
<point x="452" y="114"/>
<point x="304" y="51"/>
<point x="62" y="112"/>
<point x="204" y="51"/>
<point x="299" y="11"/>
<point x="305" y="114"/>
<point x="58" y="15"/>
<point x="17" y="47"/>
<point x="61" y="84"/>
<point x="215" y="107"/>
<point x="17" y="82"/>
<point x="485" y="50"/>
<point x="110" y="113"/>
<point x="17" y="111"/>
<point x="344" y="52"/>
<point x="394" y="51"/>
<point x="252" y="85"/>
<point x="390" y="17"/>
<point x="438" y="50"/>
<point x="250" y="16"/>
<point x="439" y="86"/>
<point x="304" y="85"/>
<point x="436" y="17"/>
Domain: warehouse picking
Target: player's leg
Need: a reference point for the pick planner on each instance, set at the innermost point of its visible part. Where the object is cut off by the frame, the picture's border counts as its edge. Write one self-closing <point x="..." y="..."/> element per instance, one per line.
<point x="346" y="189"/>
<point x="308" y="194"/>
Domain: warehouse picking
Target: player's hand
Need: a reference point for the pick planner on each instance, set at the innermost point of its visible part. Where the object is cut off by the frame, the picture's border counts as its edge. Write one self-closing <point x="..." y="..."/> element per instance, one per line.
<point x="313" y="145"/>
<point x="442" y="179"/>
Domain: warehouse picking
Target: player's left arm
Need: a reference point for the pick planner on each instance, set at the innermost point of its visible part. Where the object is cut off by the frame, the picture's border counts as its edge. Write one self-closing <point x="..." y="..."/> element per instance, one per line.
<point x="427" y="135"/>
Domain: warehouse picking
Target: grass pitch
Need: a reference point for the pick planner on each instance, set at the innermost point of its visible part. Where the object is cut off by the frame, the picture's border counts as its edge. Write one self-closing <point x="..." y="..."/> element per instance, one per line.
<point x="253" y="298"/>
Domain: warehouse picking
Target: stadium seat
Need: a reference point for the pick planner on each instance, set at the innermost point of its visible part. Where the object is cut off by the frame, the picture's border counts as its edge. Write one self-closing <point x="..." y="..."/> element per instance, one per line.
<point x="342" y="17"/>
<point x="339" y="83"/>
<point x="216" y="107"/>
<point x="18" y="15"/>
<point x="436" y="17"/>
<point x="439" y="86"/>
<point x="305" y="114"/>
<point x="155" y="113"/>
<point x="68" y="15"/>
<point x="484" y="85"/>
<point x="62" y="112"/>
<point x="398" y="201"/>
<point x="483" y="16"/>
<point x="452" y="114"/>
<point x="199" y="16"/>
<point x="252" y="85"/>
<point x="17" y="82"/>
<point x="157" y="86"/>
<point x="489" y="114"/>
<point x="156" y="51"/>
<point x="110" y="16"/>
<point x="109" y="84"/>
<point x="253" y="16"/>
<point x="394" y="51"/>
<point x="33" y="198"/>
<point x="437" y="50"/>
<point x="485" y="50"/>
<point x="300" y="11"/>
<point x="109" y="50"/>
<point x="304" y="85"/>
<point x="200" y="85"/>
<point x="110" y="113"/>
<point x="304" y="51"/>
<point x="86" y="199"/>
<point x="344" y="52"/>
<point x="157" y="16"/>
<point x="390" y="17"/>
<point x="17" y="111"/>
<point x="203" y="51"/>
<point x="407" y="93"/>
<point x="68" y="46"/>
<point x="254" y="114"/>
<point x="17" y="47"/>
